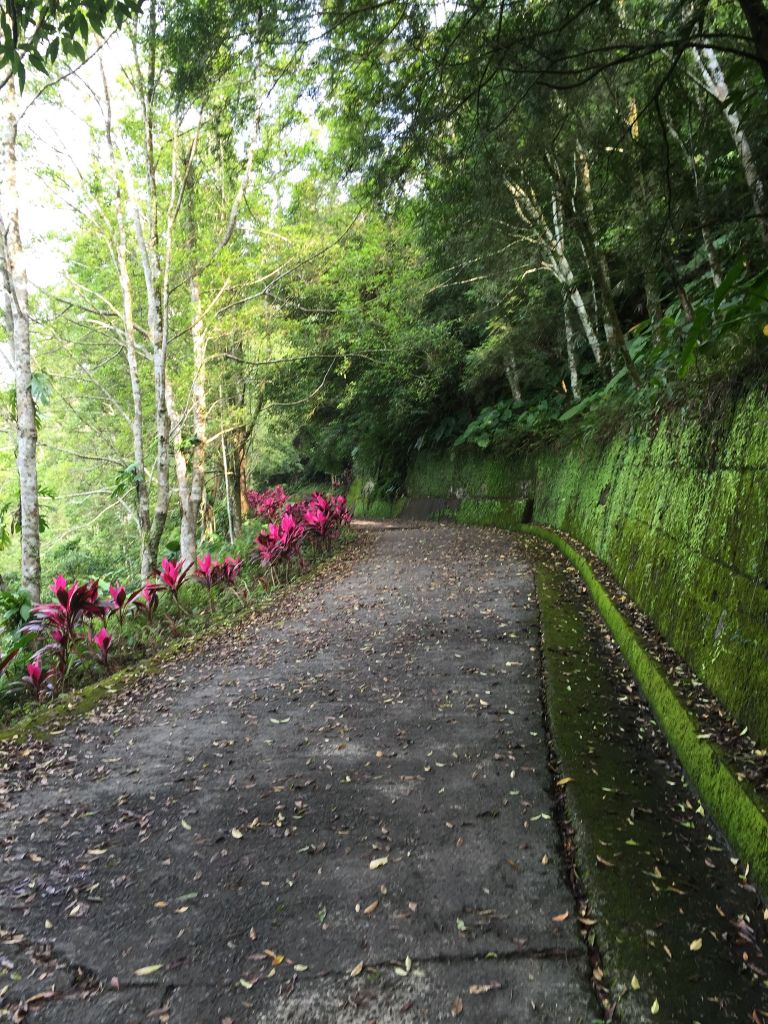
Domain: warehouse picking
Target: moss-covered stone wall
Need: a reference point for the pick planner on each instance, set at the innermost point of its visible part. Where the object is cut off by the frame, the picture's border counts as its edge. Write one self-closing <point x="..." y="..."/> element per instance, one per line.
<point x="680" y="516"/>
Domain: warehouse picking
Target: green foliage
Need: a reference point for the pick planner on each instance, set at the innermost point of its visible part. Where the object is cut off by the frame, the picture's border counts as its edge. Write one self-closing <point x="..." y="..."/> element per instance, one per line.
<point x="34" y="33"/>
<point x="15" y="609"/>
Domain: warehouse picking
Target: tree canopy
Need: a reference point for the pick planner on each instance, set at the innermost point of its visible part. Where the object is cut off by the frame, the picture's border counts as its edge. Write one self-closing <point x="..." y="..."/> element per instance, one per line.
<point x="306" y="240"/>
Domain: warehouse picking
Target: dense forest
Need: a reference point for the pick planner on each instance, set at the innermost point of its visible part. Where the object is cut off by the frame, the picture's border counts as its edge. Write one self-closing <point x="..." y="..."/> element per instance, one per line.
<point x="297" y="242"/>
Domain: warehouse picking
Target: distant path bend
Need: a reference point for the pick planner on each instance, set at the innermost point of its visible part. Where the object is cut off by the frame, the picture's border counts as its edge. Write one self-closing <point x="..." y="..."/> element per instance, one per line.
<point x="363" y="781"/>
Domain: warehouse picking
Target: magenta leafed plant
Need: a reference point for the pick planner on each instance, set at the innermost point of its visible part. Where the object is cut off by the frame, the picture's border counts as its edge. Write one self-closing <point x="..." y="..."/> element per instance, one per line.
<point x="280" y="541"/>
<point x="120" y="600"/>
<point x="230" y="569"/>
<point x="207" y="570"/>
<point x="267" y="504"/>
<point x="62" y="619"/>
<point x="37" y="681"/>
<point x="103" y="640"/>
<point x="319" y="517"/>
<point x="147" y="601"/>
<point x="172" y="576"/>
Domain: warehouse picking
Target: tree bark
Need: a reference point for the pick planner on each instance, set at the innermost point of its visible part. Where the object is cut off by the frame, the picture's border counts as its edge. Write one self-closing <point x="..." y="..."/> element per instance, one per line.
<point x="129" y="342"/>
<point x="570" y="350"/>
<point x="596" y="255"/>
<point x="512" y="374"/>
<point x="709" y="246"/>
<point x="16" y="306"/>
<point x="716" y="85"/>
<point x="756" y="14"/>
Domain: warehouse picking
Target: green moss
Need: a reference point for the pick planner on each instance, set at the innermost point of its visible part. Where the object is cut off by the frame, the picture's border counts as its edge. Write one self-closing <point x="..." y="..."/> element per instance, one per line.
<point x="679" y="515"/>
<point x="506" y="514"/>
<point x="467" y="473"/>
<point x="735" y="805"/>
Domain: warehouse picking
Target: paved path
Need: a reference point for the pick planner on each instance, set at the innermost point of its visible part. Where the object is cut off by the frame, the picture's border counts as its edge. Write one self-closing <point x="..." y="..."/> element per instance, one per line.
<point x="342" y="815"/>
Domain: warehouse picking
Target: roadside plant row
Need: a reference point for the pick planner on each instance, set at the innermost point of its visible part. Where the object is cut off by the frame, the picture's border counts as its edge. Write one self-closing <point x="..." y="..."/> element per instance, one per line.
<point x="97" y="627"/>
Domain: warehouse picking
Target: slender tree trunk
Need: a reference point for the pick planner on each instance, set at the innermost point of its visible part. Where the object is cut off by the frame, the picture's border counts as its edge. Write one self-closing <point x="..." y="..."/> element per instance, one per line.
<point x="129" y="341"/>
<point x="17" y="321"/>
<point x="653" y="304"/>
<point x="190" y="469"/>
<point x="716" y="85"/>
<point x="756" y="14"/>
<point x="570" y="349"/>
<point x="709" y="245"/>
<point x="239" y="483"/>
<point x="567" y="278"/>
<point x="199" y="402"/>
<point x="613" y="330"/>
<point x="512" y="374"/>
<point x="227" y="489"/>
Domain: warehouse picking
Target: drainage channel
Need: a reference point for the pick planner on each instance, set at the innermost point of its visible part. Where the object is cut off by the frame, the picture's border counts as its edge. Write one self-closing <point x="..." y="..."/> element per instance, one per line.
<point x="681" y="929"/>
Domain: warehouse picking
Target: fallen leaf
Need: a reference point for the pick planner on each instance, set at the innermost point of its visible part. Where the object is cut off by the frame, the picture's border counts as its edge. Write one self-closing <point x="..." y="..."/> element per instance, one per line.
<point x="635" y="983"/>
<point x="696" y="945"/>
<point x="561" y="917"/>
<point x="457" y="1007"/>
<point x="186" y="825"/>
<point x="371" y="907"/>
<point x="564" y="781"/>
<point x="378" y="862"/>
<point x="151" y="969"/>
<point x="40" y="996"/>
<point x="300" y="968"/>
<point x="479" y="990"/>
<point x="603" y="861"/>
<point x="236" y="833"/>
<point x="357" y="969"/>
<point x="655" y="1007"/>
<point x="460" y="925"/>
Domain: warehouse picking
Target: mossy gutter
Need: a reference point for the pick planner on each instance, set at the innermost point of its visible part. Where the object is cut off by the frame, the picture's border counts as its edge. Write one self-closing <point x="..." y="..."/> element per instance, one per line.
<point x="734" y="804"/>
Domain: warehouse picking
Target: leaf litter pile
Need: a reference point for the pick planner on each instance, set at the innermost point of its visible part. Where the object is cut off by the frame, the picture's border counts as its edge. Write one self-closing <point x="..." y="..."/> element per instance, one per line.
<point x="340" y="811"/>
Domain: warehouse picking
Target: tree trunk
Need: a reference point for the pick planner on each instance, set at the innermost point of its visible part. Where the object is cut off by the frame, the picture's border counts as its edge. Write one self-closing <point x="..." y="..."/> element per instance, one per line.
<point x="570" y="350"/>
<point x="567" y="278"/>
<point x="17" y="321"/>
<point x="512" y="374"/>
<point x="239" y="479"/>
<point x="614" y="332"/>
<point x="199" y="404"/>
<point x="129" y="341"/>
<point x="709" y="245"/>
<point x="757" y="18"/>
<point x="653" y="304"/>
<point x="715" y="84"/>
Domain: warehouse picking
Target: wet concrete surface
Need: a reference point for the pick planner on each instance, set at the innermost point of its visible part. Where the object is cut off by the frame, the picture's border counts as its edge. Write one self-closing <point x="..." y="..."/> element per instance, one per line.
<point x="679" y="925"/>
<point x="340" y="814"/>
